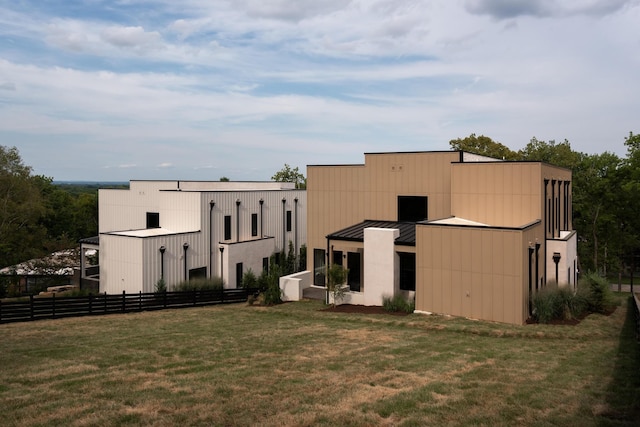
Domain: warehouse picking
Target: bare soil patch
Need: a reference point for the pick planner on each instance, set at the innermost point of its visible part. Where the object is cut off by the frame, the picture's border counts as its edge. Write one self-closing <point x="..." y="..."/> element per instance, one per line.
<point x="362" y="309"/>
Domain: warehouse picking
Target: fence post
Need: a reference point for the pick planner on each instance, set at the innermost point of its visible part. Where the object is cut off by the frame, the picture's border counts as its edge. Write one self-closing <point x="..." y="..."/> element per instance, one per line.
<point x="195" y="297"/>
<point x="105" y="302"/>
<point x="140" y="301"/>
<point x="31" y="306"/>
<point x="123" y="301"/>
<point x="164" y="298"/>
<point x="90" y="305"/>
<point x="53" y="308"/>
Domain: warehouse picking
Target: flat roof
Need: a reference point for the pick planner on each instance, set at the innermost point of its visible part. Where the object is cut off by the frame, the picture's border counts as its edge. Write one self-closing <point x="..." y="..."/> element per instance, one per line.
<point x="355" y="233"/>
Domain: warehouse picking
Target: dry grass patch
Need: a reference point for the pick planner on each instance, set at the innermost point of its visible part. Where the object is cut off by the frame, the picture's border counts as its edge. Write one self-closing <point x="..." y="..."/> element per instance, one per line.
<point x="294" y="364"/>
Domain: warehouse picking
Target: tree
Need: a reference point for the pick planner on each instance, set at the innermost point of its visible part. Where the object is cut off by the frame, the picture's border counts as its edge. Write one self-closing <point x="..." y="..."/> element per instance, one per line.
<point x="558" y="154"/>
<point x="288" y="174"/>
<point x="337" y="276"/>
<point x="484" y="146"/>
<point x="224" y="179"/>
<point x="21" y="207"/>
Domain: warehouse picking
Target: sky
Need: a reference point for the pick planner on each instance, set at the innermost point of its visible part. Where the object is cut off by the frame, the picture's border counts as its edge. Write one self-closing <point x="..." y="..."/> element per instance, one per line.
<point x="115" y="90"/>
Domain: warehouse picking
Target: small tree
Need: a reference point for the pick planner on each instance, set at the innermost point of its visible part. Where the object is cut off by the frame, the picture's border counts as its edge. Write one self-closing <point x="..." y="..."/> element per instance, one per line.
<point x="288" y="174"/>
<point x="337" y="277"/>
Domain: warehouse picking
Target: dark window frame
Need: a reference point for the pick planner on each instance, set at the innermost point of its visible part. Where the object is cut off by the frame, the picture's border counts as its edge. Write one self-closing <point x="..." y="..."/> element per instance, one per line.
<point x="227" y="227"/>
<point x="153" y="220"/>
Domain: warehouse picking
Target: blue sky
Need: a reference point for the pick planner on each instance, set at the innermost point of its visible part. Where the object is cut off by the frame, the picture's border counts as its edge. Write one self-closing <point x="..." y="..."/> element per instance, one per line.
<point x="199" y="89"/>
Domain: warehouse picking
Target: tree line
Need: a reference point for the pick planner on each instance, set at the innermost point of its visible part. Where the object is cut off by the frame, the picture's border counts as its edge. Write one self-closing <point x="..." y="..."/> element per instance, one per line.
<point x="605" y="191"/>
<point x="38" y="217"/>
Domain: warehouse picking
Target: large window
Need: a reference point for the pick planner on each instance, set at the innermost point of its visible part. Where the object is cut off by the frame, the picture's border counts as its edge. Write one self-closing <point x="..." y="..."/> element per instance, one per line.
<point x="227" y="227"/>
<point x="319" y="273"/>
<point x="198" y="273"/>
<point x="407" y="271"/>
<point x="153" y="220"/>
<point x="239" y="272"/>
<point x="355" y="271"/>
<point x="412" y="208"/>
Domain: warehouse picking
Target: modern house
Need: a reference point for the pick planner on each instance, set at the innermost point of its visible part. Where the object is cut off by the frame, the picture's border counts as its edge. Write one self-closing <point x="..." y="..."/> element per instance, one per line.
<point x="181" y="230"/>
<point x="465" y="235"/>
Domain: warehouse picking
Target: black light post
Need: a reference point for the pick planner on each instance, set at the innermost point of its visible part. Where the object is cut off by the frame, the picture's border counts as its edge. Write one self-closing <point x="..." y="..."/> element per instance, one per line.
<point x="221" y="263"/>
<point x="556" y="259"/>
<point x="185" y="246"/>
<point x="237" y="220"/>
<point x="284" y="225"/>
<point x="261" y="230"/>
<point x="162" y="250"/>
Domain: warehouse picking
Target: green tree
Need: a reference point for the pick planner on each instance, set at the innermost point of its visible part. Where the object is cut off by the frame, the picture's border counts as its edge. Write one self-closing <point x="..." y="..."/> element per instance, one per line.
<point x="21" y="207"/>
<point x="224" y="179"/>
<point x="288" y="174"/>
<point x="337" y="277"/>
<point x="630" y="203"/>
<point x="558" y="154"/>
<point x="484" y="146"/>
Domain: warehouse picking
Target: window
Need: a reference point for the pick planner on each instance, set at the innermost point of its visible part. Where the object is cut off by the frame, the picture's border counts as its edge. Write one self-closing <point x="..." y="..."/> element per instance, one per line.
<point x="265" y="264"/>
<point x="407" y="271"/>
<point x="198" y="273"/>
<point x="354" y="266"/>
<point x="254" y="224"/>
<point x="239" y="275"/>
<point x="337" y="257"/>
<point x="412" y="208"/>
<point x="288" y="220"/>
<point x="227" y="227"/>
<point x="153" y="220"/>
<point x="319" y="273"/>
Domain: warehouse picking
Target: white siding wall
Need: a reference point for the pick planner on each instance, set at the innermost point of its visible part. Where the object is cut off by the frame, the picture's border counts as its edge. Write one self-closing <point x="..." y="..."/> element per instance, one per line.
<point x="120" y="264"/>
<point x="180" y="211"/>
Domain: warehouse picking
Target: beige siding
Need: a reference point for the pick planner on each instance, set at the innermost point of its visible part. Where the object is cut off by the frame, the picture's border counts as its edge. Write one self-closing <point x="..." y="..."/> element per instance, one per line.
<point x="476" y="273"/>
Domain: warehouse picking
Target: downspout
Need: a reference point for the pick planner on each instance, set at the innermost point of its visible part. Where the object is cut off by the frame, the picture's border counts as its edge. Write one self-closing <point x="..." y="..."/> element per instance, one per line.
<point x="326" y="274"/>
<point x="530" y="283"/>
<point x="284" y="225"/>
<point x="537" y="264"/>
<point x="261" y="229"/>
<point x="211" y="206"/>
<point x="295" y="226"/>
<point x="237" y="220"/>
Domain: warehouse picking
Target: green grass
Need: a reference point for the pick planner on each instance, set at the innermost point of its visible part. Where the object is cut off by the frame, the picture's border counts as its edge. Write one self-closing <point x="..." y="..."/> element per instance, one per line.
<point x="293" y="364"/>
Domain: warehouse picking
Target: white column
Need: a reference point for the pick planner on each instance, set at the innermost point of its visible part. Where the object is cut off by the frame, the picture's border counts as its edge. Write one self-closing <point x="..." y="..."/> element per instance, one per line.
<point x="380" y="267"/>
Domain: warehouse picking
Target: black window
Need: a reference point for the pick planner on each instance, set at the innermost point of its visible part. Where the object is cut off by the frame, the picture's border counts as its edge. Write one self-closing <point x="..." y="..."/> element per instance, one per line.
<point x="265" y="264"/>
<point x="407" y="271"/>
<point x="227" y="227"/>
<point x="354" y="276"/>
<point x="319" y="273"/>
<point x="239" y="275"/>
<point x="153" y="220"/>
<point x="288" y="220"/>
<point x="412" y="208"/>
<point x="198" y="273"/>
<point x="337" y="257"/>
<point x="254" y="224"/>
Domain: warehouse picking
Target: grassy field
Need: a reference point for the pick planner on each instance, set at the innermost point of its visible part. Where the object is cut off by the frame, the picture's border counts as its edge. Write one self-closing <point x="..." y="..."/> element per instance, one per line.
<point x="296" y="365"/>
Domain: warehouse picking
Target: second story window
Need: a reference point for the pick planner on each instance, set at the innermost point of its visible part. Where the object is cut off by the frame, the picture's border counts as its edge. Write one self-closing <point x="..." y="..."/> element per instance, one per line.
<point x="227" y="227"/>
<point x="153" y="220"/>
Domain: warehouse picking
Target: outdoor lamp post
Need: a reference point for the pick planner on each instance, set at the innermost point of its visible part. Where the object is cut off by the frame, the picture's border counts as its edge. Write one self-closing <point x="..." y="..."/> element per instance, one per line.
<point x="556" y="259"/>
<point x="162" y="250"/>
<point x="185" y="246"/>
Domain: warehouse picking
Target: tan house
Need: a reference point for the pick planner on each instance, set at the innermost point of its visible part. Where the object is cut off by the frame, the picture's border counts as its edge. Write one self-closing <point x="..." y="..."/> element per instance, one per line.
<point x="465" y="235"/>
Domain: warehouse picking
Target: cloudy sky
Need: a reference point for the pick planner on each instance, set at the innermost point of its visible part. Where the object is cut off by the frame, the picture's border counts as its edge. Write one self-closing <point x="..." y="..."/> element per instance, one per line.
<point x="112" y="90"/>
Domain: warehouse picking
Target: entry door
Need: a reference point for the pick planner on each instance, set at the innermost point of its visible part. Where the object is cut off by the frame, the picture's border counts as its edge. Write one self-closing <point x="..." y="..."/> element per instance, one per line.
<point x="355" y="271"/>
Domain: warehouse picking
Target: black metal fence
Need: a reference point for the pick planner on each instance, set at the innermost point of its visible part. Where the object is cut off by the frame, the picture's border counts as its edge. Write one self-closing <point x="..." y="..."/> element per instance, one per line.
<point x="36" y="308"/>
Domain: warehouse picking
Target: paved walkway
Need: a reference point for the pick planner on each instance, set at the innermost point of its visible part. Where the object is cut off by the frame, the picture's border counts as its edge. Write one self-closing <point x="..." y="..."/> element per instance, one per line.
<point x="626" y="288"/>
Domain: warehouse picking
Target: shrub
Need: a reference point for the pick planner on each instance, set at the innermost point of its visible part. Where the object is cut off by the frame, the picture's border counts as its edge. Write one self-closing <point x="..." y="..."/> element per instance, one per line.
<point x="398" y="303"/>
<point x="213" y="283"/>
<point x="337" y="276"/>
<point x="595" y="289"/>
<point x="161" y="286"/>
<point x="249" y="280"/>
<point x="272" y="293"/>
<point x="552" y="303"/>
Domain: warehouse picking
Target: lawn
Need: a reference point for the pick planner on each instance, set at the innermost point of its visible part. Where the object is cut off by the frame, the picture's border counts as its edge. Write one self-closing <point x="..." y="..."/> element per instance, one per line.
<point x="294" y="364"/>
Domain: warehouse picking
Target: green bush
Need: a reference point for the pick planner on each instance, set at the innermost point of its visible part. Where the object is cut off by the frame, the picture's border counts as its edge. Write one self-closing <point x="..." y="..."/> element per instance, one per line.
<point x="553" y="303"/>
<point x="398" y="303"/>
<point x="161" y="286"/>
<point x="272" y="293"/>
<point x="249" y="280"/>
<point x="213" y="283"/>
<point x="595" y="289"/>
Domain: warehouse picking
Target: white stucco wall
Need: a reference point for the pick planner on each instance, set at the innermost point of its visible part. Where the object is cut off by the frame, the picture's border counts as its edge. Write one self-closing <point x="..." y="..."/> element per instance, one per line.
<point x="567" y="247"/>
<point x="293" y="285"/>
<point x="249" y="253"/>
<point x="381" y="268"/>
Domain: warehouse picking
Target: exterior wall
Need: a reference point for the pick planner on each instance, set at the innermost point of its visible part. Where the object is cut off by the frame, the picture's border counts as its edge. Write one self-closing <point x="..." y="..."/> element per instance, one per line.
<point x="471" y="272"/>
<point x="567" y="266"/>
<point x="497" y="193"/>
<point x="343" y="195"/>
<point x="125" y="209"/>
<point x="122" y="270"/>
<point x="249" y="253"/>
<point x="293" y="285"/>
<point x="381" y="267"/>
